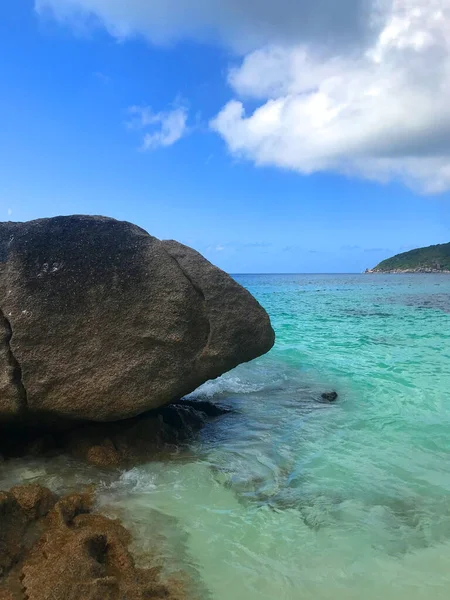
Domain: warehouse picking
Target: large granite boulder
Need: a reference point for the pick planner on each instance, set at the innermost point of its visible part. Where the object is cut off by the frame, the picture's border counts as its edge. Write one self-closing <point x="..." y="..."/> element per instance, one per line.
<point x="101" y="321"/>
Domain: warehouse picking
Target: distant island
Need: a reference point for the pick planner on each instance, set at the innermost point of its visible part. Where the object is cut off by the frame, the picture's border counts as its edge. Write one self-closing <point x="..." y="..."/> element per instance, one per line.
<point x="433" y="259"/>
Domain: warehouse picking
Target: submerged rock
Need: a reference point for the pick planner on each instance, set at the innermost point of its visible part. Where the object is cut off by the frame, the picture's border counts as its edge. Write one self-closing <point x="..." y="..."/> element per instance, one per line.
<point x="330" y="396"/>
<point x="99" y="321"/>
<point x="60" y="549"/>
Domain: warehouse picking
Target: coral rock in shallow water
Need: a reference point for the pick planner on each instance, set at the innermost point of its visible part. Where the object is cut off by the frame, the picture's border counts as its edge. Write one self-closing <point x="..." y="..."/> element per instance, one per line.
<point x="54" y="549"/>
<point x="100" y="321"/>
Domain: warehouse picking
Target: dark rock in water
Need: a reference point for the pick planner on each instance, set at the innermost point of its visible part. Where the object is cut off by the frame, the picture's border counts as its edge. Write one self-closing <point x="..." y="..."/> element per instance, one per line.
<point x="204" y="406"/>
<point x="121" y="443"/>
<point x="100" y="321"/>
<point x="329" y="396"/>
<point x="134" y="440"/>
<point x="60" y="549"/>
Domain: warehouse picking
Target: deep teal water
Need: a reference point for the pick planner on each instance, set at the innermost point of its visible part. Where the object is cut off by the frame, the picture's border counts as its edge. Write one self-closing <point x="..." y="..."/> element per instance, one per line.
<point x="292" y="498"/>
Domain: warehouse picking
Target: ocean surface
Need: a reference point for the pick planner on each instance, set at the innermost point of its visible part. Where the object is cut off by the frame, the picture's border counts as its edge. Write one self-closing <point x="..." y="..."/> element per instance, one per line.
<point x="292" y="498"/>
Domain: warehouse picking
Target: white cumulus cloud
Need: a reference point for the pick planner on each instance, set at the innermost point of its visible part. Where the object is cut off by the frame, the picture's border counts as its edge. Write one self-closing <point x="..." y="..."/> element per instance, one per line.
<point x="161" y="129"/>
<point x="383" y="113"/>
<point x="357" y="87"/>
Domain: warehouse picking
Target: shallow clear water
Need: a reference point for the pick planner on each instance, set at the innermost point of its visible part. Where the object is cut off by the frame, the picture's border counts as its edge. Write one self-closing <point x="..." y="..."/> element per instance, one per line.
<point x="289" y="497"/>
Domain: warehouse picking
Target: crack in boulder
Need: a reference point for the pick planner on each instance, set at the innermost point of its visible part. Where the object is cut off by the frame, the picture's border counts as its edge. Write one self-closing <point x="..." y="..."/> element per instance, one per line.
<point x="198" y="290"/>
<point x="16" y="369"/>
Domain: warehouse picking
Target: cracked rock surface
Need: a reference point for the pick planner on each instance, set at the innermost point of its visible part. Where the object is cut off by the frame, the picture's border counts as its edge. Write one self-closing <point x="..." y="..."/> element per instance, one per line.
<point x="100" y="321"/>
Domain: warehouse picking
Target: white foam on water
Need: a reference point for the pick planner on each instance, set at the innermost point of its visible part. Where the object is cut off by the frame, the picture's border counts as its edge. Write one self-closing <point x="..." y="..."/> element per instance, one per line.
<point x="227" y="384"/>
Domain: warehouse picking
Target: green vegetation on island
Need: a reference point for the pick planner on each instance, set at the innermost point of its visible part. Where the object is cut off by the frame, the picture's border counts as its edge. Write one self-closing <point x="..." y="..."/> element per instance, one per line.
<point x="433" y="259"/>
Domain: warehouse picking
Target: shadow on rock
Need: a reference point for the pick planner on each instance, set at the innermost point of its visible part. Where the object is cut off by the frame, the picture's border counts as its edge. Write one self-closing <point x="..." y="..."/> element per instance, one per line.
<point x="121" y="443"/>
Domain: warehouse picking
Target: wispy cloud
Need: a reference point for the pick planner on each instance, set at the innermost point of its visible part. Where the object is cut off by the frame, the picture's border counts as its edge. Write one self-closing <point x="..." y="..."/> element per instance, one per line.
<point x="350" y="248"/>
<point x="257" y="245"/>
<point x="215" y="248"/>
<point x="238" y="246"/>
<point x="300" y="250"/>
<point x="377" y="250"/>
<point x="161" y="129"/>
<point x="102" y="77"/>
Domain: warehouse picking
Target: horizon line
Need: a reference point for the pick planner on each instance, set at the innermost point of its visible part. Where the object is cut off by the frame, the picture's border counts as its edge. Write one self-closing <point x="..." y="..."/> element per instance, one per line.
<point x="299" y="273"/>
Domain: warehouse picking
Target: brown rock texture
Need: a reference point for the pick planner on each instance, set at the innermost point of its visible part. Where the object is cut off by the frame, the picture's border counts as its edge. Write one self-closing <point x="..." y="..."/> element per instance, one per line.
<point x="54" y="549"/>
<point x="99" y="321"/>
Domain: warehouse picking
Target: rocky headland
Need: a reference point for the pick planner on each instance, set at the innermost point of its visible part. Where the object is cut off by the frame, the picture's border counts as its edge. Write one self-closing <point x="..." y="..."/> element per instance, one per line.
<point x="432" y="259"/>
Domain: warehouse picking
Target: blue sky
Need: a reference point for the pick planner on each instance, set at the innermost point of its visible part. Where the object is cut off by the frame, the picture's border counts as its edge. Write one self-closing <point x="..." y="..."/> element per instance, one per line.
<point x="71" y="143"/>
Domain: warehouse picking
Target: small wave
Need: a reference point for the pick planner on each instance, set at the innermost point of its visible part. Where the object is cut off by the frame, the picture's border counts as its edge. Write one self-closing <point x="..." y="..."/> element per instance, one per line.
<point x="132" y="480"/>
<point x="227" y="384"/>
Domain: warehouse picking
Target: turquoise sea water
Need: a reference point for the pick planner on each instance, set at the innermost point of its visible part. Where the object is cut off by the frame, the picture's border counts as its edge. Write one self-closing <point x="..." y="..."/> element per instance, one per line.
<point x="292" y="498"/>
